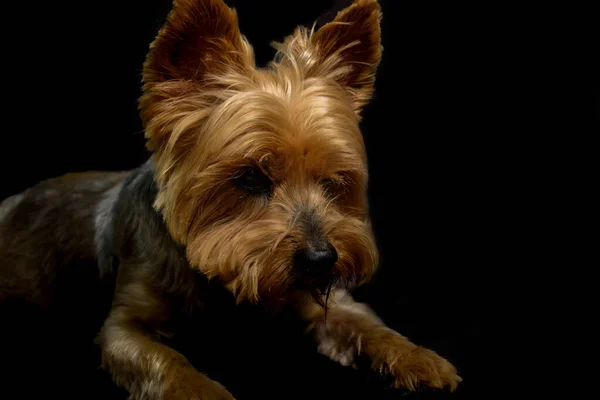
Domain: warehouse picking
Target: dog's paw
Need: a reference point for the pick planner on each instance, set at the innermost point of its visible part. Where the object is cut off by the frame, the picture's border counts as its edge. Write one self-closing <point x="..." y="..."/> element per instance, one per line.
<point x="414" y="368"/>
<point x="376" y="348"/>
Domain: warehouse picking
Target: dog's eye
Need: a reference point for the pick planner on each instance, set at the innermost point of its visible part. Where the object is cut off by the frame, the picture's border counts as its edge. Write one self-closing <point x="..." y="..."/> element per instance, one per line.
<point x="336" y="185"/>
<point x="253" y="180"/>
<point x="328" y="183"/>
<point x="332" y="186"/>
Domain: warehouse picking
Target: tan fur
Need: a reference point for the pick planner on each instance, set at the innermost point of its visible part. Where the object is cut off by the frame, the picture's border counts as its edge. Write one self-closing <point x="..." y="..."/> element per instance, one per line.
<point x="208" y="114"/>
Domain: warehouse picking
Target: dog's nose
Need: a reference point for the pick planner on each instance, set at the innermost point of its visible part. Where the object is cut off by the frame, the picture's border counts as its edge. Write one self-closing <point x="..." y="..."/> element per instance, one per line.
<point x="316" y="260"/>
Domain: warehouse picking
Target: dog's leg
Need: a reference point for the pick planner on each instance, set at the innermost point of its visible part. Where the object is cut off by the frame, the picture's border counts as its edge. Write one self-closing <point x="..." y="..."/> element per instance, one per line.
<point x="141" y="364"/>
<point x="350" y="332"/>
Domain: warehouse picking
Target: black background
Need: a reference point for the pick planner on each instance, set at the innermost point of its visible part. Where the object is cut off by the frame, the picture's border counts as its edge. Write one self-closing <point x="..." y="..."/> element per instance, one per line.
<point x="72" y="77"/>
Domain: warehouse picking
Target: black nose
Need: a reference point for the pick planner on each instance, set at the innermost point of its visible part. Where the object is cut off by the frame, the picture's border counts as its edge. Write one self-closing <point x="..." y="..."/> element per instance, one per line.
<point x="316" y="260"/>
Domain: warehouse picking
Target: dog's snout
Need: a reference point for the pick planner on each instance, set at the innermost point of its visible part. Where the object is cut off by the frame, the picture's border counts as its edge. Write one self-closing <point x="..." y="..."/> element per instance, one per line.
<point x="316" y="260"/>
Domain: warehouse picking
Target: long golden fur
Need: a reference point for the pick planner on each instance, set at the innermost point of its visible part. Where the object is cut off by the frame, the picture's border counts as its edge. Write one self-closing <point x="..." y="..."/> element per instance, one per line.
<point x="297" y="121"/>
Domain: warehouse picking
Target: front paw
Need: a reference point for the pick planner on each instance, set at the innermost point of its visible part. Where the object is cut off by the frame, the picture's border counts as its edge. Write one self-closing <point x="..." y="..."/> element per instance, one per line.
<point x="194" y="386"/>
<point x="411" y="366"/>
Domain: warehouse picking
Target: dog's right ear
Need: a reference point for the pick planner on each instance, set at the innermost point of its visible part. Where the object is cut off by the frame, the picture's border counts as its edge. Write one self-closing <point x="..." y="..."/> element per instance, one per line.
<point x="199" y="38"/>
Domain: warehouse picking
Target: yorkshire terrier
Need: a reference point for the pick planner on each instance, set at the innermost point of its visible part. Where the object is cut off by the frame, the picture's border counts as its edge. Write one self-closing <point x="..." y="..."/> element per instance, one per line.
<point x="256" y="183"/>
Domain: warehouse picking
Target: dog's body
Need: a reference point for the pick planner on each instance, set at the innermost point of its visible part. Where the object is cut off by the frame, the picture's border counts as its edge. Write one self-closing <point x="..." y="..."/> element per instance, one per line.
<point x="53" y="231"/>
<point x="255" y="195"/>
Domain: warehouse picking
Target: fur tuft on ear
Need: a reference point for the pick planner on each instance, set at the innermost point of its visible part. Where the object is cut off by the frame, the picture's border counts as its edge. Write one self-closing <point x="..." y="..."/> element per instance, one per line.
<point x="347" y="50"/>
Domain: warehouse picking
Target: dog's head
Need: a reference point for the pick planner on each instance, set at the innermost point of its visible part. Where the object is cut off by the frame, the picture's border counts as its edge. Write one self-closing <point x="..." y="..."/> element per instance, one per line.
<point x="262" y="173"/>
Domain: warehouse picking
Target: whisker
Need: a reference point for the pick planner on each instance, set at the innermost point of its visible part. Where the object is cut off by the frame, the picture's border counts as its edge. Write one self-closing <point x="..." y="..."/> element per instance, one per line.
<point x="284" y="234"/>
<point x="331" y="200"/>
<point x="327" y="298"/>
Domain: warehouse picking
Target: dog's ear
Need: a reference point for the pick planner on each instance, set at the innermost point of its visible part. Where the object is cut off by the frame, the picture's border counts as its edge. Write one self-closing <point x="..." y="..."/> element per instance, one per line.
<point x="354" y="37"/>
<point x="200" y="41"/>
<point x="348" y="50"/>
<point x="199" y="38"/>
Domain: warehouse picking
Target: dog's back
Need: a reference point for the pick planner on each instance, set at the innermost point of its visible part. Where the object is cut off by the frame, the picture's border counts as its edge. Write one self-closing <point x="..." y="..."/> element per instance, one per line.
<point x="48" y="237"/>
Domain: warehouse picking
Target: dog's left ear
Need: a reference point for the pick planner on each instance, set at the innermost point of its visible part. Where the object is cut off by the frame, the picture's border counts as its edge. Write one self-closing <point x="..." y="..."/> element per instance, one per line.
<point x="348" y="50"/>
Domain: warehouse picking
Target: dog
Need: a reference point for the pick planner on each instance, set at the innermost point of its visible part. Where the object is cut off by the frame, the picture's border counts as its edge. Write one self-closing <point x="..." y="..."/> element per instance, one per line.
<point x="255" y="195"/>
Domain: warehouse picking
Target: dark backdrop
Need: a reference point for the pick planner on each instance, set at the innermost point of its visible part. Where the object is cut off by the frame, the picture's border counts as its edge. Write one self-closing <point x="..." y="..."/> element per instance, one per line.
<point x="72" y="76"/>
